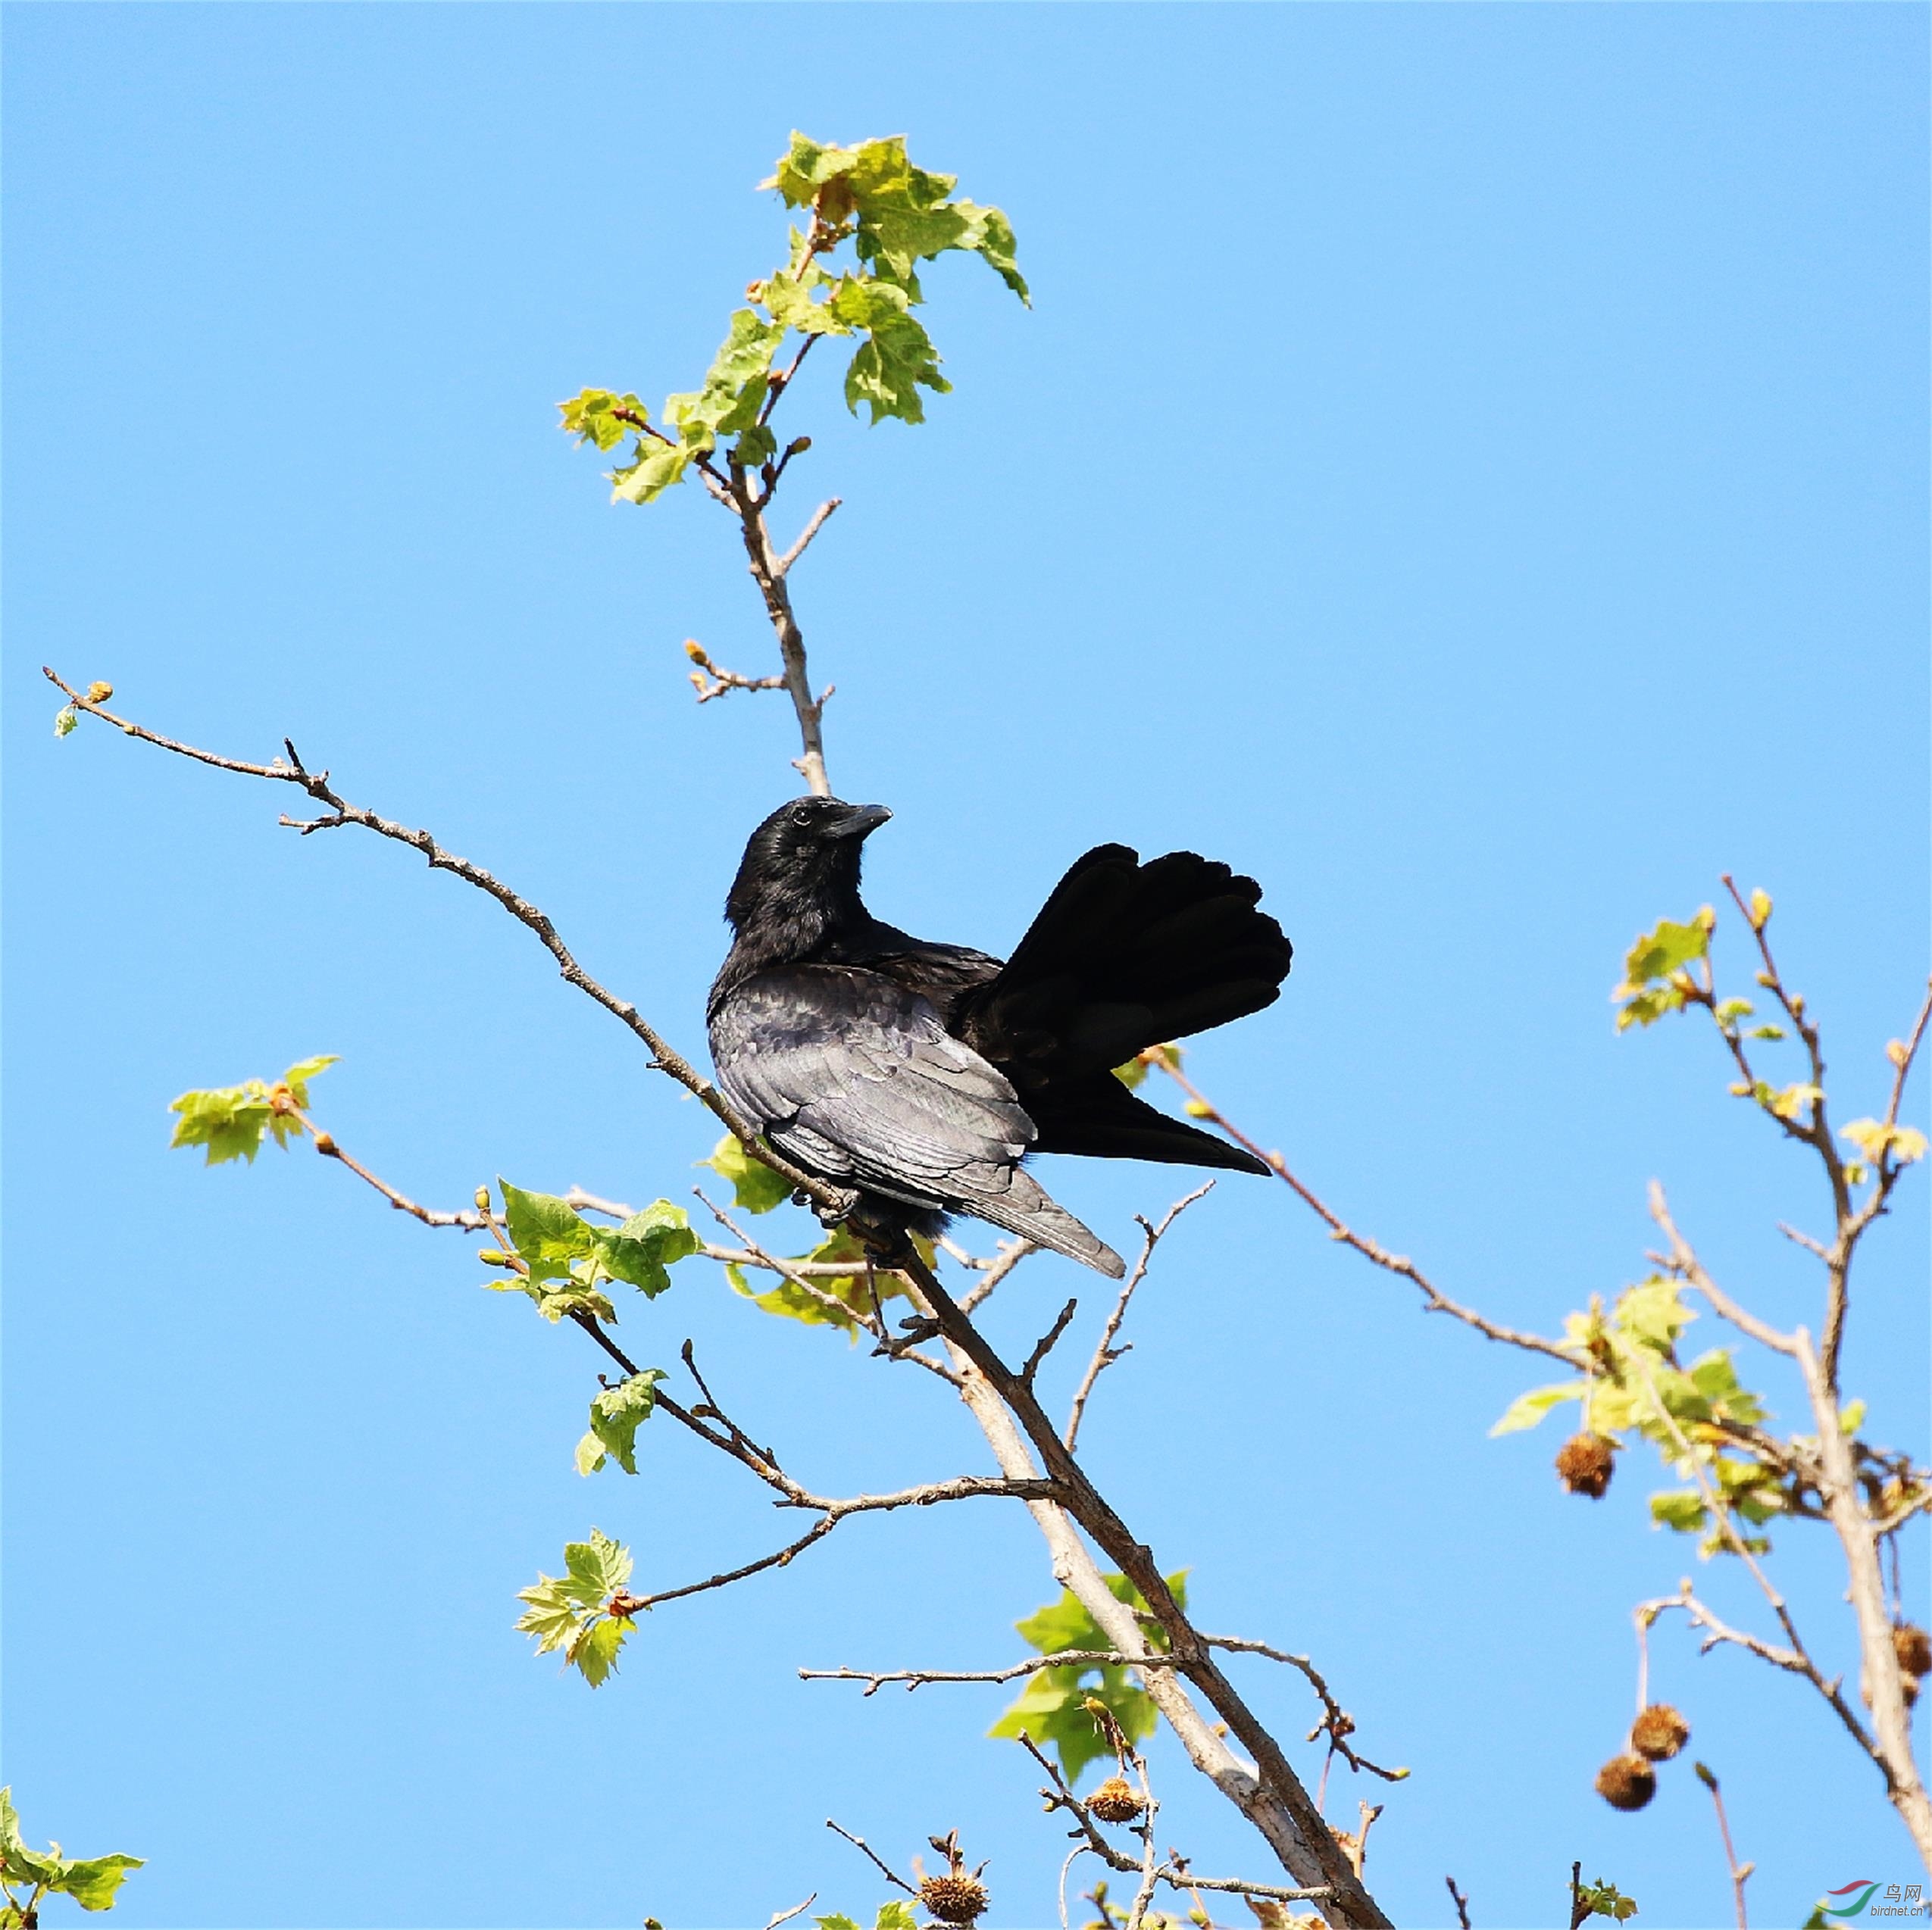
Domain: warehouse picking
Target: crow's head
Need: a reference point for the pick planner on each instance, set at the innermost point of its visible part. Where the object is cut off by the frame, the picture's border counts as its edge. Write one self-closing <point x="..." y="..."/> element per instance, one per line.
<point x="800" y="868"/>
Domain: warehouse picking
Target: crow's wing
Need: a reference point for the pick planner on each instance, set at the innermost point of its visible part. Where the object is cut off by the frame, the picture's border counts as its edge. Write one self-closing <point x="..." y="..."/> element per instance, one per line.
<point x="858" y="1072"/>
<point x="853" y="1076"/>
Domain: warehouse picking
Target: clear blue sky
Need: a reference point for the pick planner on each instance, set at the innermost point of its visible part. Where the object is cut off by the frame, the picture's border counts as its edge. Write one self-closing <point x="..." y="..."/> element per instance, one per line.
<point x="1465" y="465"/>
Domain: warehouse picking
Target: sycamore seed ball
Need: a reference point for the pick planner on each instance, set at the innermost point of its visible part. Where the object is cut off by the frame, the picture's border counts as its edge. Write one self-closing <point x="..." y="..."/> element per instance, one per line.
<point x="1659" y="1732"/>
<point x="1114" y="1801"/>
<point x="1627" y="1782"/>
<point x="1584" y="1464"/>
<point x="955" y="1899"/>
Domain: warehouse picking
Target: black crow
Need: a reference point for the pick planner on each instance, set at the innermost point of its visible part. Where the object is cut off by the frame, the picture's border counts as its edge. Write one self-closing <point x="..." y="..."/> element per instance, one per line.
<point x="922" y="1074"/>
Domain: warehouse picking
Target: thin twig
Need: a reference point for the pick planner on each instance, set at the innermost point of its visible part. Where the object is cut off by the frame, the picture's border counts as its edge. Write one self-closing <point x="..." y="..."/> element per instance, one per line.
<point x="1461" y="1902"/>
<point x="1044" y="1345"/>
<point x="1104" y="1352"/>
<point x="664" y="1058"/>
<point x="993" y="1272"/>
<point x="859" y="1842"/>
<point x="819" y="517"/>
<point x="1435" y="1300"/>
<point x="1740" y="1873"/>
<point x="466" y="1218"/>
<point x="1683" y="1261"/>
<point x="797" y="1909"/>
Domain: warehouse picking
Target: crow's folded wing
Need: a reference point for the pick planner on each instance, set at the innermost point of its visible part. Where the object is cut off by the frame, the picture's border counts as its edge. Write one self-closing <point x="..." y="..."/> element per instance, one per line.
<point x="854" y="1075"/>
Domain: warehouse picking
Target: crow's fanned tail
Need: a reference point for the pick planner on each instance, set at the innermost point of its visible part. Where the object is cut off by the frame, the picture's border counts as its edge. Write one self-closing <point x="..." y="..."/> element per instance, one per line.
<point x="1123" y="955"/>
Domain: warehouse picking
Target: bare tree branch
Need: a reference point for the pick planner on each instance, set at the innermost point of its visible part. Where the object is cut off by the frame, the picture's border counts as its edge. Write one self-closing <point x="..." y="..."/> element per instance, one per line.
<point x="664" y="1056"/>
<point x="1435" y="1300"/>
<point x="1104" y="1352"/>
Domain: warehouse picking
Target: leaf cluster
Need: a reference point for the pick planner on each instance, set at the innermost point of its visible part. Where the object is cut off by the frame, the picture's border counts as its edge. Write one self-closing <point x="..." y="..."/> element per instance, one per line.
<point x="1052" y="1709"/>
<point x="1601" y="1899"/>
<point x="231" y="1121"/>
<point x="894" y="215"/>
<point x="893" y="1915"/>
<point x="91" y="1881"/>
<point x="1630" y="1348"/>
<point x="572" y="1611"/>
<point x="565" y="1263"/>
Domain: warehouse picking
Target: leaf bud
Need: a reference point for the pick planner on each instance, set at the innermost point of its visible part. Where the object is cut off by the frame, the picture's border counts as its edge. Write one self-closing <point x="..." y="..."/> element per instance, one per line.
<point x="1895" y="1050"/>
<point x="482" y="1199"/>
<point x="325" y="1144"/>
<point x="694" y="650"/>
<point x="797" y="445"/>
<point x="1707" y="916"/>
<point x="99" y="693"/>
<point x="1760" y="910"/>
<point x="1198" y="1109"/>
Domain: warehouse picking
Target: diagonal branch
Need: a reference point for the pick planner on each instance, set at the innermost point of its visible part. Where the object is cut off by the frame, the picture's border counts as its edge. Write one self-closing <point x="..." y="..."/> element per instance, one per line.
<point x="664" y="1058"/>
<point x="1435" y="1300"/>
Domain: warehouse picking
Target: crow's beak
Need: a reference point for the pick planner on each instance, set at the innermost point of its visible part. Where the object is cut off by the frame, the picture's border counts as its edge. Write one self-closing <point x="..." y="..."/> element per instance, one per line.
<point x="859" y="821"/>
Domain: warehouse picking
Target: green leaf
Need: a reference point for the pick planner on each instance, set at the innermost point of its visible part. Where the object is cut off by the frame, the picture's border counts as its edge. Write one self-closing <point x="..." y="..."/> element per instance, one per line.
<point x="65" y="719"/>
<point x="835" y="1922"/>
<point x="850" y="1295"/>
<point x="567" y="1611"/>
<point x="1793" y="1101"/>
<point x="1647" y="993"/>
<point x="547" y="1232"/>
<point x="1684" y="1510"/>
<point x="757" y="444"/>
<point x="897" y="357"/>
<point x="736" y="384"/>
<point x="1652" y="1314"/>
<point x="894" y="1916"/>
<point x="297" y="1077"/>
<point x="1052" y="1708"/>
<point x="589" y="417"/>
<point x="615" y="1416"/>
<point x="754" y="1186"/>
<point x="1527" y="1410"/>
<point x="653" y="469"/>
<point x="595" y="1652"/>
<point x="92" y="1882"/>
<point x="229" y="1122"/>
<point x="639" y="1251"/>
<point x="1601" y="1899"/>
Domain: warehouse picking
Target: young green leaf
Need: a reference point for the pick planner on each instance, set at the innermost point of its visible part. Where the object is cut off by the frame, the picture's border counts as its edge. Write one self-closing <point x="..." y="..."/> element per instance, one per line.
<point x="65" y="719"/>
<point x="640" y="1252"/>
<point x="590" y="416"/>
<point x="228" y="1122"/>
<point x="1646" y="992"/>
<point x="615" y="1416"/>
<point x="1052" y="1709"/>
<point x="1527" y="1410"/>
<point x="754" y="1186"/>
<point x="836" y="1299"/>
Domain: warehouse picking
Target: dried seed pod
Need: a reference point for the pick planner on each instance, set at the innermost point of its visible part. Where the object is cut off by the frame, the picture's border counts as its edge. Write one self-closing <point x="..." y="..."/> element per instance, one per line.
<point x="1114" y="1801"/>
<point x="1659" y="1732"/>
<point x="1627" y="1782"/>
<point x="957" y="1898"/>
<point x="1584" y="1464"/>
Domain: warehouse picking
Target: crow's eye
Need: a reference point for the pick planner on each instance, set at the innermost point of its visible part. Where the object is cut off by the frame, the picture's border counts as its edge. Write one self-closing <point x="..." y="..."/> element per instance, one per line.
<point x="802" y="816"/>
